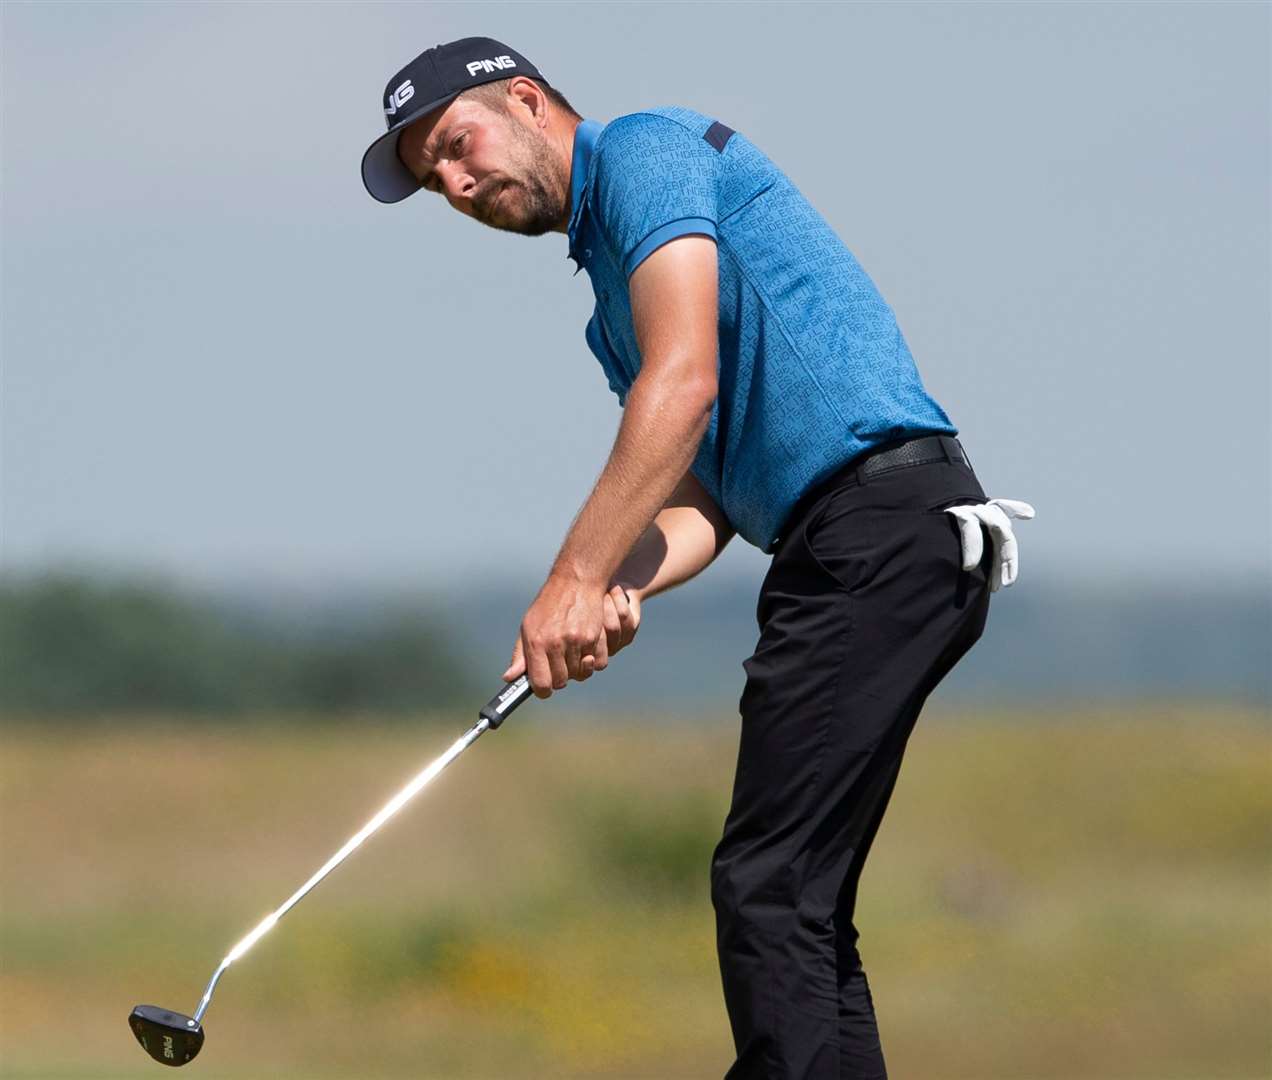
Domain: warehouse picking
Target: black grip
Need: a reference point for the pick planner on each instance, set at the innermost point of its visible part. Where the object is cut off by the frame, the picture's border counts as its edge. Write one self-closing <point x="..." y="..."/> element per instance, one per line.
<point x="499" y="706"/>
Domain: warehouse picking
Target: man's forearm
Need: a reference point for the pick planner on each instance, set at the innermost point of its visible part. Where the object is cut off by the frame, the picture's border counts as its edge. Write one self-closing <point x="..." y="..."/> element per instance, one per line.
<point x="663" y="422"/>
<point x="565" y="633"/>
<point x="684" y="539"/>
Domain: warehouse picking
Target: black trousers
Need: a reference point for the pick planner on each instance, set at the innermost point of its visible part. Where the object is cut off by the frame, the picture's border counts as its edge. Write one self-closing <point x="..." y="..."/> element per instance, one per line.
<point x="864" y="609"/>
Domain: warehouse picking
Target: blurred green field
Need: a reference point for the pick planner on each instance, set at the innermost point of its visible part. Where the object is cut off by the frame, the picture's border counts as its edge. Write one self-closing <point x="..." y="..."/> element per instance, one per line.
<point x="1066" y="895"/>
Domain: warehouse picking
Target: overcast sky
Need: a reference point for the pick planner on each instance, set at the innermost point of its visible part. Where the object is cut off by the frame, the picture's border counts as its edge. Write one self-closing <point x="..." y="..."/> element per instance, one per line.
<point x="223" y="359"/>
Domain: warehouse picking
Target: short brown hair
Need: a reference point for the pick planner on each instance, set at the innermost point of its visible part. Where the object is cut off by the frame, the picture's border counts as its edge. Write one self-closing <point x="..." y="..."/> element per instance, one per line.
<point x="494" y="95"/>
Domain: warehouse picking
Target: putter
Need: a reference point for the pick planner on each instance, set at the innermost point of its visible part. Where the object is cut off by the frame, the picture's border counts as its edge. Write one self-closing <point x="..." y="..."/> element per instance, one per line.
<point x="173" y="1038"/>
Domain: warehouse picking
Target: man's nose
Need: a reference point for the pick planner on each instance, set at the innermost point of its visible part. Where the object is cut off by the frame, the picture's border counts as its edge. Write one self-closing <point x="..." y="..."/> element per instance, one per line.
<point x="457" y="184"/>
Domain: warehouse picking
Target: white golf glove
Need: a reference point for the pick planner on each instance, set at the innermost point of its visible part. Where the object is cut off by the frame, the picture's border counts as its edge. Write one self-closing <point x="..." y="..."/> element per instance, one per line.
<point x="995" y="515"/>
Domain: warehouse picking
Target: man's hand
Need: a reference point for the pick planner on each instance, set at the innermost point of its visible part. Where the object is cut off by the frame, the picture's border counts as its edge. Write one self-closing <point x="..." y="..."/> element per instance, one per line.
<point x="620" y="618"/>
<point x="995" y="515"/>
<point x="562" y="636"/>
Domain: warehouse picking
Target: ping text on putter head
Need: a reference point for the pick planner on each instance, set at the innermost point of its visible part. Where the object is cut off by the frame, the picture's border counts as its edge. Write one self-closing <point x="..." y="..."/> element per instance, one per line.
<point x="173" y="1038"/>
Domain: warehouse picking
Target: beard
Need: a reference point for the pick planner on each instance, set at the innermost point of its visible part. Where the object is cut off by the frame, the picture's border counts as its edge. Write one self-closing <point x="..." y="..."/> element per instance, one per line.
<point x="530" y="195"/>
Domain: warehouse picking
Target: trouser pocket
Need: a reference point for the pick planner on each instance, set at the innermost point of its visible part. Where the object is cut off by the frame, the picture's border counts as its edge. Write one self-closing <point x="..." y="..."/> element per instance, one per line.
<point x="946" y="501"/>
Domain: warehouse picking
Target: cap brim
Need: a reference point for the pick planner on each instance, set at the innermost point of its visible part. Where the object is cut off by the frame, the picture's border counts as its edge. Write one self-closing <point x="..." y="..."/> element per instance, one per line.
<point x="385" y="177"/>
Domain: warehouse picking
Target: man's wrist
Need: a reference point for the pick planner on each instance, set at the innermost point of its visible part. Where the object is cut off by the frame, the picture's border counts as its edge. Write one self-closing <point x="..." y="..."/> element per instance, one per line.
<point x="579" y="573"/>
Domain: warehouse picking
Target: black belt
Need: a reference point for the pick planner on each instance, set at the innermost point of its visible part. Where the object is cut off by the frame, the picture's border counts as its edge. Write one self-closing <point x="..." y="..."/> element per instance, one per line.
<point x="912" y="452"/>
<point x="897" y="454"/>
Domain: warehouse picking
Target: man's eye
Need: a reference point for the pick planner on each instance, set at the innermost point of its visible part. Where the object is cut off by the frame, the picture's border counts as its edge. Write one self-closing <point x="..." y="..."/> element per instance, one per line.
<point x="458" y="141"/>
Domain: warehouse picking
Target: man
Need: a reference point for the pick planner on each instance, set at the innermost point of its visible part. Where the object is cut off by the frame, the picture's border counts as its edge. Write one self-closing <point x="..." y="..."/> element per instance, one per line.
<point x="767" y="391"/>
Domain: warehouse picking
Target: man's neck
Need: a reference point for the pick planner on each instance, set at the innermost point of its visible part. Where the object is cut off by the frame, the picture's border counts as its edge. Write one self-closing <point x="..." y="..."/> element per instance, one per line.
<point x="566" y="150"/>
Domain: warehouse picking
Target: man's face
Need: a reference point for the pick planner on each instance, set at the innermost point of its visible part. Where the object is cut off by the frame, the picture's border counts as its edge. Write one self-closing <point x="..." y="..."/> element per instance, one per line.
<point x="493" y="165"/>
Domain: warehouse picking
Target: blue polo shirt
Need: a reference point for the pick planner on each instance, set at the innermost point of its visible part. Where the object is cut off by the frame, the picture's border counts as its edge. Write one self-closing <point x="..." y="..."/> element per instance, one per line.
<point x="813" y="369"/>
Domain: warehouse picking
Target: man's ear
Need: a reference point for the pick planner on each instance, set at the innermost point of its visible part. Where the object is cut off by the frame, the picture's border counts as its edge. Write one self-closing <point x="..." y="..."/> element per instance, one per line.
<point x="528" y="99"/>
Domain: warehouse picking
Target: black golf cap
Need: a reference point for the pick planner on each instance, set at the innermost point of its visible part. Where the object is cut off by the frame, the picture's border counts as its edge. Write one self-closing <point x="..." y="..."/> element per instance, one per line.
<point x="432" y="79"/>
<point x="170" y="1038"/>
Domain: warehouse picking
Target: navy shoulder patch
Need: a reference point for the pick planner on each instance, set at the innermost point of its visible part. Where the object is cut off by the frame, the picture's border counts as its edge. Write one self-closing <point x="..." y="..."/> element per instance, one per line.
<point x="717" y="135"/>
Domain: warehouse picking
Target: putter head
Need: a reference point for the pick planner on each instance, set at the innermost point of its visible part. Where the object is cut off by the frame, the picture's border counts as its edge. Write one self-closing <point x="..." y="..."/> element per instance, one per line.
<point x="168" y="1037"/>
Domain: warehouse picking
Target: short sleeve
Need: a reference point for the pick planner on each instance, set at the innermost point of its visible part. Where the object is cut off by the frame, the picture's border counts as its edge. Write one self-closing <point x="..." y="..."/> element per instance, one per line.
<point x="655" y="181"/>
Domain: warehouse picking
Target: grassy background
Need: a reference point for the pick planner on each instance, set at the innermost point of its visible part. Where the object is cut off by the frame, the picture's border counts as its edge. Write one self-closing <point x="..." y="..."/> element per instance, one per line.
<point x="1073" y="894"/>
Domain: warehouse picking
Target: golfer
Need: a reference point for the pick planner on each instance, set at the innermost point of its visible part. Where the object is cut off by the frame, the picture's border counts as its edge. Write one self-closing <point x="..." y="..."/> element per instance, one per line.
<point x="767" y="391"/>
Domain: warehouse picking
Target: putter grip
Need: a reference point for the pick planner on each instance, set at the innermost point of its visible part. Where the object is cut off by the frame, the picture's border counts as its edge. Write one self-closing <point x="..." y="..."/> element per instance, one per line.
<point x="499" y="706"/>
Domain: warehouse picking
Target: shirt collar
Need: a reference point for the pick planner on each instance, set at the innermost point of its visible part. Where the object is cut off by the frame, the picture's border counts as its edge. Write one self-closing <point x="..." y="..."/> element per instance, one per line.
<point x="585" y="136"/>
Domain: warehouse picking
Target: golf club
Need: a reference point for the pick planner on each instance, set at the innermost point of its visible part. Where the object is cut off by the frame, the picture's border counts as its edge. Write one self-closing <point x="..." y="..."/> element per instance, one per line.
<point x="173" y="1038"/>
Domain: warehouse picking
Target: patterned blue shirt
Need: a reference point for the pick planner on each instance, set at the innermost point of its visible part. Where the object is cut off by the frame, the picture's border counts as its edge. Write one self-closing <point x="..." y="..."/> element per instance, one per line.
<point x="813" y="369"/>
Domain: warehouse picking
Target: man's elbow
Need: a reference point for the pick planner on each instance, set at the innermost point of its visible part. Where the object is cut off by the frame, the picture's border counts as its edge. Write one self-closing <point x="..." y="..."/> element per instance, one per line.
<point x="696" y="383"/>
<point x="700" y="391"/>
<point x="686" y="385"/>
<point x="695" y="398"/>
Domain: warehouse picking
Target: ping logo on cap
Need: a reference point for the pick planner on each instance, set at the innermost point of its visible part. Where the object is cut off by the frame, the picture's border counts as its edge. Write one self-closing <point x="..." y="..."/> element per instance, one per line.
<point x="399" y="97"/>
<point x="477" y="66"/>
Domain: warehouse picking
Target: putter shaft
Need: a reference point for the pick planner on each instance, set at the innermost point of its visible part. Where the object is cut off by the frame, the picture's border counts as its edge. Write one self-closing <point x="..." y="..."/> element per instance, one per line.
<point x="492" y="715"/>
